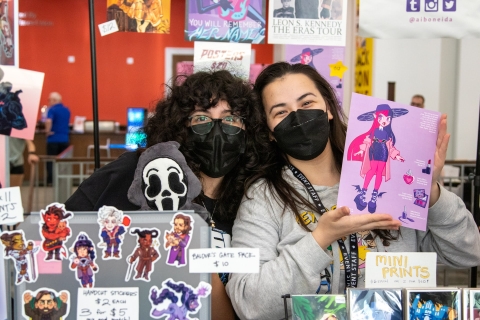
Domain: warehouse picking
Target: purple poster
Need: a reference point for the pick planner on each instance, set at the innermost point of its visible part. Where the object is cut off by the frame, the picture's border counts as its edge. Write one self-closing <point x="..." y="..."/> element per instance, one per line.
<point x="241" y="21"/>
<point x="328" y="61"/>
<point x="388" y="160"/>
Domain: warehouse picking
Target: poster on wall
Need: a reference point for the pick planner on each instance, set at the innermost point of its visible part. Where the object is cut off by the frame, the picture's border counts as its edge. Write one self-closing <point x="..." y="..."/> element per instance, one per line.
<point x="241" y="21"/>
<point x="363" y="61"/>
<point x="328" y="61"/>
<point x="9" y="33"/>
<point x="322" y="22"/>
<point x="234" y="57"/>
<point x="420" y="19"/>
<point x="20" y="92"/>
<point x="140" y="16"/>
<point x="186" y="68"/>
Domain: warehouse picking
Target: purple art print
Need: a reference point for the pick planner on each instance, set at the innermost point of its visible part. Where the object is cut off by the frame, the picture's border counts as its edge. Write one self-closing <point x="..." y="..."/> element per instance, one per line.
<point x="241" y="21"/>
<point x="324" y="59"/>
<point x="388" y="160"/>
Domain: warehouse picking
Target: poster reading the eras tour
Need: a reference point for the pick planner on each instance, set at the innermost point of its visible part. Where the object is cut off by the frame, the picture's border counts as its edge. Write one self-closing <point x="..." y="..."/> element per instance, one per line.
<point x="388" y="160"/>
<point x="140" y="16"/>
<point x="328" y="61"/>
<point x="241" y="21"/>
<point x="322" y="22"/>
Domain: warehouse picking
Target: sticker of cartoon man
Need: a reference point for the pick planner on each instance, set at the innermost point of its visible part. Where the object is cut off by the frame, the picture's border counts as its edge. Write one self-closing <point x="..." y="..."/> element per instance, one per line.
<point x="23" y="255"/>
<point x="113" y="225"/>
<point x="146" y="252"/>
<point x="178" y="239"/>
<point x="46" y="304"/>
<point x="54" y="230"/>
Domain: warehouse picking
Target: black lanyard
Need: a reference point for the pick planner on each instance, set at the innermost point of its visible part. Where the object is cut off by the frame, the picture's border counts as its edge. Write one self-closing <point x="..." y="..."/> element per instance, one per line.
<point x="350" y="261"/>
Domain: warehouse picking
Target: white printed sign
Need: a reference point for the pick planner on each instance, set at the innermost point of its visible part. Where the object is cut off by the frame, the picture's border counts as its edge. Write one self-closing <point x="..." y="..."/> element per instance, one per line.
<point x="400" y="269"/>
<point x="11" y="209"/>
<point x="108" y="27"/>
<point x="107" y="303"/>
<point x="229" y="260"/>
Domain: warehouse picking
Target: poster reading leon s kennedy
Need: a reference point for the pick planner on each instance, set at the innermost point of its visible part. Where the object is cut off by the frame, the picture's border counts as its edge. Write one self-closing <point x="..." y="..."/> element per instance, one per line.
<point x="322" y="22"/>
<point x="241" y="21"/>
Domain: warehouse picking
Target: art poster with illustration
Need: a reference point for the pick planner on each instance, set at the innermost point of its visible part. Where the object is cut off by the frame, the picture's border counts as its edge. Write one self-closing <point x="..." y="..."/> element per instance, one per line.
<point x="433" y="304"/>
<point x="322" y="22"/>
<point x="144" y="255"/>
<point x="474" y="304"/>
<point x="9" y="33"/>
<point x="140" y="16"/>
<point x="177" y="300"/>
<point x="23" y="253"/>
<point x="82" y="260"/>
<point x="328" y="61"/>
<point x="319" y="306"/>
<point x="424" y="19"/>
<point x="113" y="227"/>
<point x="234" y="57"/>
<point x="46" y="303"/>
<point x="55" y="231"/>
<point x="375" y="304"/>
<point x="20" y="92"/>
<point x="388" y="160"/>
<point x="240" y="21"/>
<point x="178" y="239"/>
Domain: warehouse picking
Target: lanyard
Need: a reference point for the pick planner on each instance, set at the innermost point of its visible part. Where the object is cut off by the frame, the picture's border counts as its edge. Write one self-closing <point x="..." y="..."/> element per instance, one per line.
<point x="350" y="261"/>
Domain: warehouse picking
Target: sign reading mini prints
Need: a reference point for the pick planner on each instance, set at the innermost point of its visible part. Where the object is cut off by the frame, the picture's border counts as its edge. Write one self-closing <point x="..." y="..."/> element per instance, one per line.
<point x="307" y="22"/>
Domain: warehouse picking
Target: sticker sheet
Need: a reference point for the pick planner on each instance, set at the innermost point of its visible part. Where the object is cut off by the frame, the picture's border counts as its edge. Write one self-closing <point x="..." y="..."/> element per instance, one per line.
<point x="178" y="239"/>
<point x="143" y="258"/>
<point x="82" y="260"/>
<point x="55" y="231"/>
<point x="46" y="303"/>
<point x="113" y="227"/>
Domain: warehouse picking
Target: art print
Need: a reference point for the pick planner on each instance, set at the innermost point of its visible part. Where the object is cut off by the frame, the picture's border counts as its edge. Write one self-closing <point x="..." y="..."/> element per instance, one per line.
<point x="113" y="227"/>
<point x="55" y="231"/>
<point x="145" y="254"/>
<point x="23" y="253"/>
<point x="178" y="239"/>
<point x="82" y="261"/>
<point x="372" y="304"/>
<point x="140" y="16"/>
<point x="434" y="304"/>
<point x="474" y="304"/>
<point x="321" y="306"/>
<point x="46" y="303"/>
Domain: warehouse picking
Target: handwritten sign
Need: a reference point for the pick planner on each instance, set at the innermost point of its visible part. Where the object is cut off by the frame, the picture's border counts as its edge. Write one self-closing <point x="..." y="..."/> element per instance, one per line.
<point x="230" y="260"/>
<point x="11" y="209"/>
<point x="108" y="27"/>
<point x="400" y="269"/>
<point x="107" y="303"/>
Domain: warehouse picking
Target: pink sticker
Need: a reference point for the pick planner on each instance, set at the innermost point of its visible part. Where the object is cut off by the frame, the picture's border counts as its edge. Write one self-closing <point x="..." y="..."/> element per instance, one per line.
<point x="44" y="267"/>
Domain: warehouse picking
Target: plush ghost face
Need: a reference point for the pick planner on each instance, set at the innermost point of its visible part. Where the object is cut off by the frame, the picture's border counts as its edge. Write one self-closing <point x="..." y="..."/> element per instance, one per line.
<point x="165" y="184"/>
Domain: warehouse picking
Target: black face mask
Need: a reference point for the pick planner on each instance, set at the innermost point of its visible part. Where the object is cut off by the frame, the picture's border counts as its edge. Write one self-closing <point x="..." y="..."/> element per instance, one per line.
<point x="216" y="151"/>
<point x="303" y="134"/>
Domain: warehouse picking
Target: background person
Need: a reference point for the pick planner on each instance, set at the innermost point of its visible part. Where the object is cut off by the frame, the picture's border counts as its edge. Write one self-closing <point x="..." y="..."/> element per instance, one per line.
<point x="285" y="11"/>
<point x="418" y="101"/>
<point x="16" y="147"/>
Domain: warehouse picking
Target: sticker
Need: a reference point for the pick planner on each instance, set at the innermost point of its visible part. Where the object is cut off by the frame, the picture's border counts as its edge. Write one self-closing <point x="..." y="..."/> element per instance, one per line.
<point x="108" y="303"/>
<point x="83" y="260"/>
<point x="178" y="238"/>
<point x="23" y="255"/>
<point x="145" y="254"/>
<point x="113" y="226"/>
<point x="176" y="300"/>
<point x="55" y="231"/>
<point x="46" y="303"/>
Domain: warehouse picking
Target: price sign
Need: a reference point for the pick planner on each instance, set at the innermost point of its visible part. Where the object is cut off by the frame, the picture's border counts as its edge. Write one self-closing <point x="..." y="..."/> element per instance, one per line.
<point x="107" y="303"/>
<point x="108" y="27"/>
<point x="229" y="260"/>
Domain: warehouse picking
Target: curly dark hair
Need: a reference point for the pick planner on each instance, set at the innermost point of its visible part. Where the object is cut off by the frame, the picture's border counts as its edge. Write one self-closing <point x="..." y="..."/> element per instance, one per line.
<point x="205" y="90"/>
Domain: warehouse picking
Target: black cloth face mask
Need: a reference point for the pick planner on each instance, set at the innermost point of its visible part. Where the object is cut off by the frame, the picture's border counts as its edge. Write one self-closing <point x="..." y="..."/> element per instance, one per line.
<point x="303" y="134"/>
<point x="217" y="152"/>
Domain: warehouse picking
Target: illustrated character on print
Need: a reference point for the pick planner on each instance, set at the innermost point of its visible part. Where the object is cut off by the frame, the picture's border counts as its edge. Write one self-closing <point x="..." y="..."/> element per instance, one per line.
<point x="306" y="57"/>
<point x="83" y="261"/>
<point x="177" y="300"/>
<point x="377" y="305"/>
<point x="164" y="181"/>
<point x="23" y="255"/>
<point x="55" y="231"/>
<point x="374" y="149"/>
<point x="144" y="13"/>
<point x="178" y="239"/>
<point x="113" y="226"/>
<point x="145" y="254"/>
<point x="11" y="109"/>
<point x="46" y="304"/>
<point x="232" y="10"/>
<point x="6" y="37"/>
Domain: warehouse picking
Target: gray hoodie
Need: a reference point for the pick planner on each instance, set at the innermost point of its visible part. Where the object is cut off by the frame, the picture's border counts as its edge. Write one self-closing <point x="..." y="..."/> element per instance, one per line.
<point x="291" y="261"/>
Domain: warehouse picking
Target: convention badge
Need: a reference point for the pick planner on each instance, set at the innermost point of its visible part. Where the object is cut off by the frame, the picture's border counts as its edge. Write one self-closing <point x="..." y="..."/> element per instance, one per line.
<point x="46" y="303"/>
<point x="178" y="239"/>
<point x="82" y="260"/>
<point x="145" y="254"/>
<point x="55" y="231"/>
<point x="177" y="300"/>
<point x="113" y="227"/>
<point x="23" y="253"/>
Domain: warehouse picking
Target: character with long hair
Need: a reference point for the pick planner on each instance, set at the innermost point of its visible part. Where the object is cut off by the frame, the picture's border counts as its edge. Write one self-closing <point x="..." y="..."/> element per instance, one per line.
<point x="46" y="304"/>
<point x="178" y="240"/>
<point x="16" y="249"/>
<point x="83" y="260"/>
<point x="146" y="253"/>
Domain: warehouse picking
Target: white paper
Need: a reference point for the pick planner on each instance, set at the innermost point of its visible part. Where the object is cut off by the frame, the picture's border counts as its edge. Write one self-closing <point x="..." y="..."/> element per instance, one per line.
<point x="400" y="269"/>
<point x="11" y="209"/>
<point x="108" y="27"/>
<point x="229" y="260"/>
<point x="107" y="303"/>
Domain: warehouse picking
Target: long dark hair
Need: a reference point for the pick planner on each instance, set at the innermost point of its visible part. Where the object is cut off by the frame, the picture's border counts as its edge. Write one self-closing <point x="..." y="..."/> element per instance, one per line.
<point x="275" y="160"/>
<point x="205" y="90"/>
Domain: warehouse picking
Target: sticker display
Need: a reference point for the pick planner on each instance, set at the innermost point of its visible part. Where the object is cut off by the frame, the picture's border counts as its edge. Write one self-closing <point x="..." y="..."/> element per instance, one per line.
<point x="23" y="255"/>
<point x="46" y="303"/>
<point x="55" y="231"/>
<point x="178" y="238"/>
<point x="177" y="300"/>
<point x="113" y="226"/>
<point x="145" y="254"/>
<point x="83" y="260"/>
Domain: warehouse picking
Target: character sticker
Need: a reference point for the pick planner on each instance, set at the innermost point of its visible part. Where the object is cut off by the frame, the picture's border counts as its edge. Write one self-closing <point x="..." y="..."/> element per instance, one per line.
<point x="55" y="231"/>
<point x="23" y="255"/>
<point x="177" y="300"/>
<point x="113" y="226"/>
<point x="178" y="239"/>
<point x="145" y="254"/>
<point x="46" y="303"/>
<point x="83" y="260"/>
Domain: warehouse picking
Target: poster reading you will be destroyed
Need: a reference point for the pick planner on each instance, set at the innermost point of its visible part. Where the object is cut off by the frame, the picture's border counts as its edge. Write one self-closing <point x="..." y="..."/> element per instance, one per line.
<point x="322" y="22"/>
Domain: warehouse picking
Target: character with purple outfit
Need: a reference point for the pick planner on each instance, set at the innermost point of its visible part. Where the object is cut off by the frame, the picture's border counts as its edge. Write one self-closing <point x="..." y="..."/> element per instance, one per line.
<point x="83" y="260"/>
<point x="178" y="239"/>
<point x="113" y="230"/>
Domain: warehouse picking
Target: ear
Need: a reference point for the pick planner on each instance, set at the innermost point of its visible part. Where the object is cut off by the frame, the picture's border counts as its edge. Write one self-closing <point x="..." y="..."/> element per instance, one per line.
<point x="270" y="136"/>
